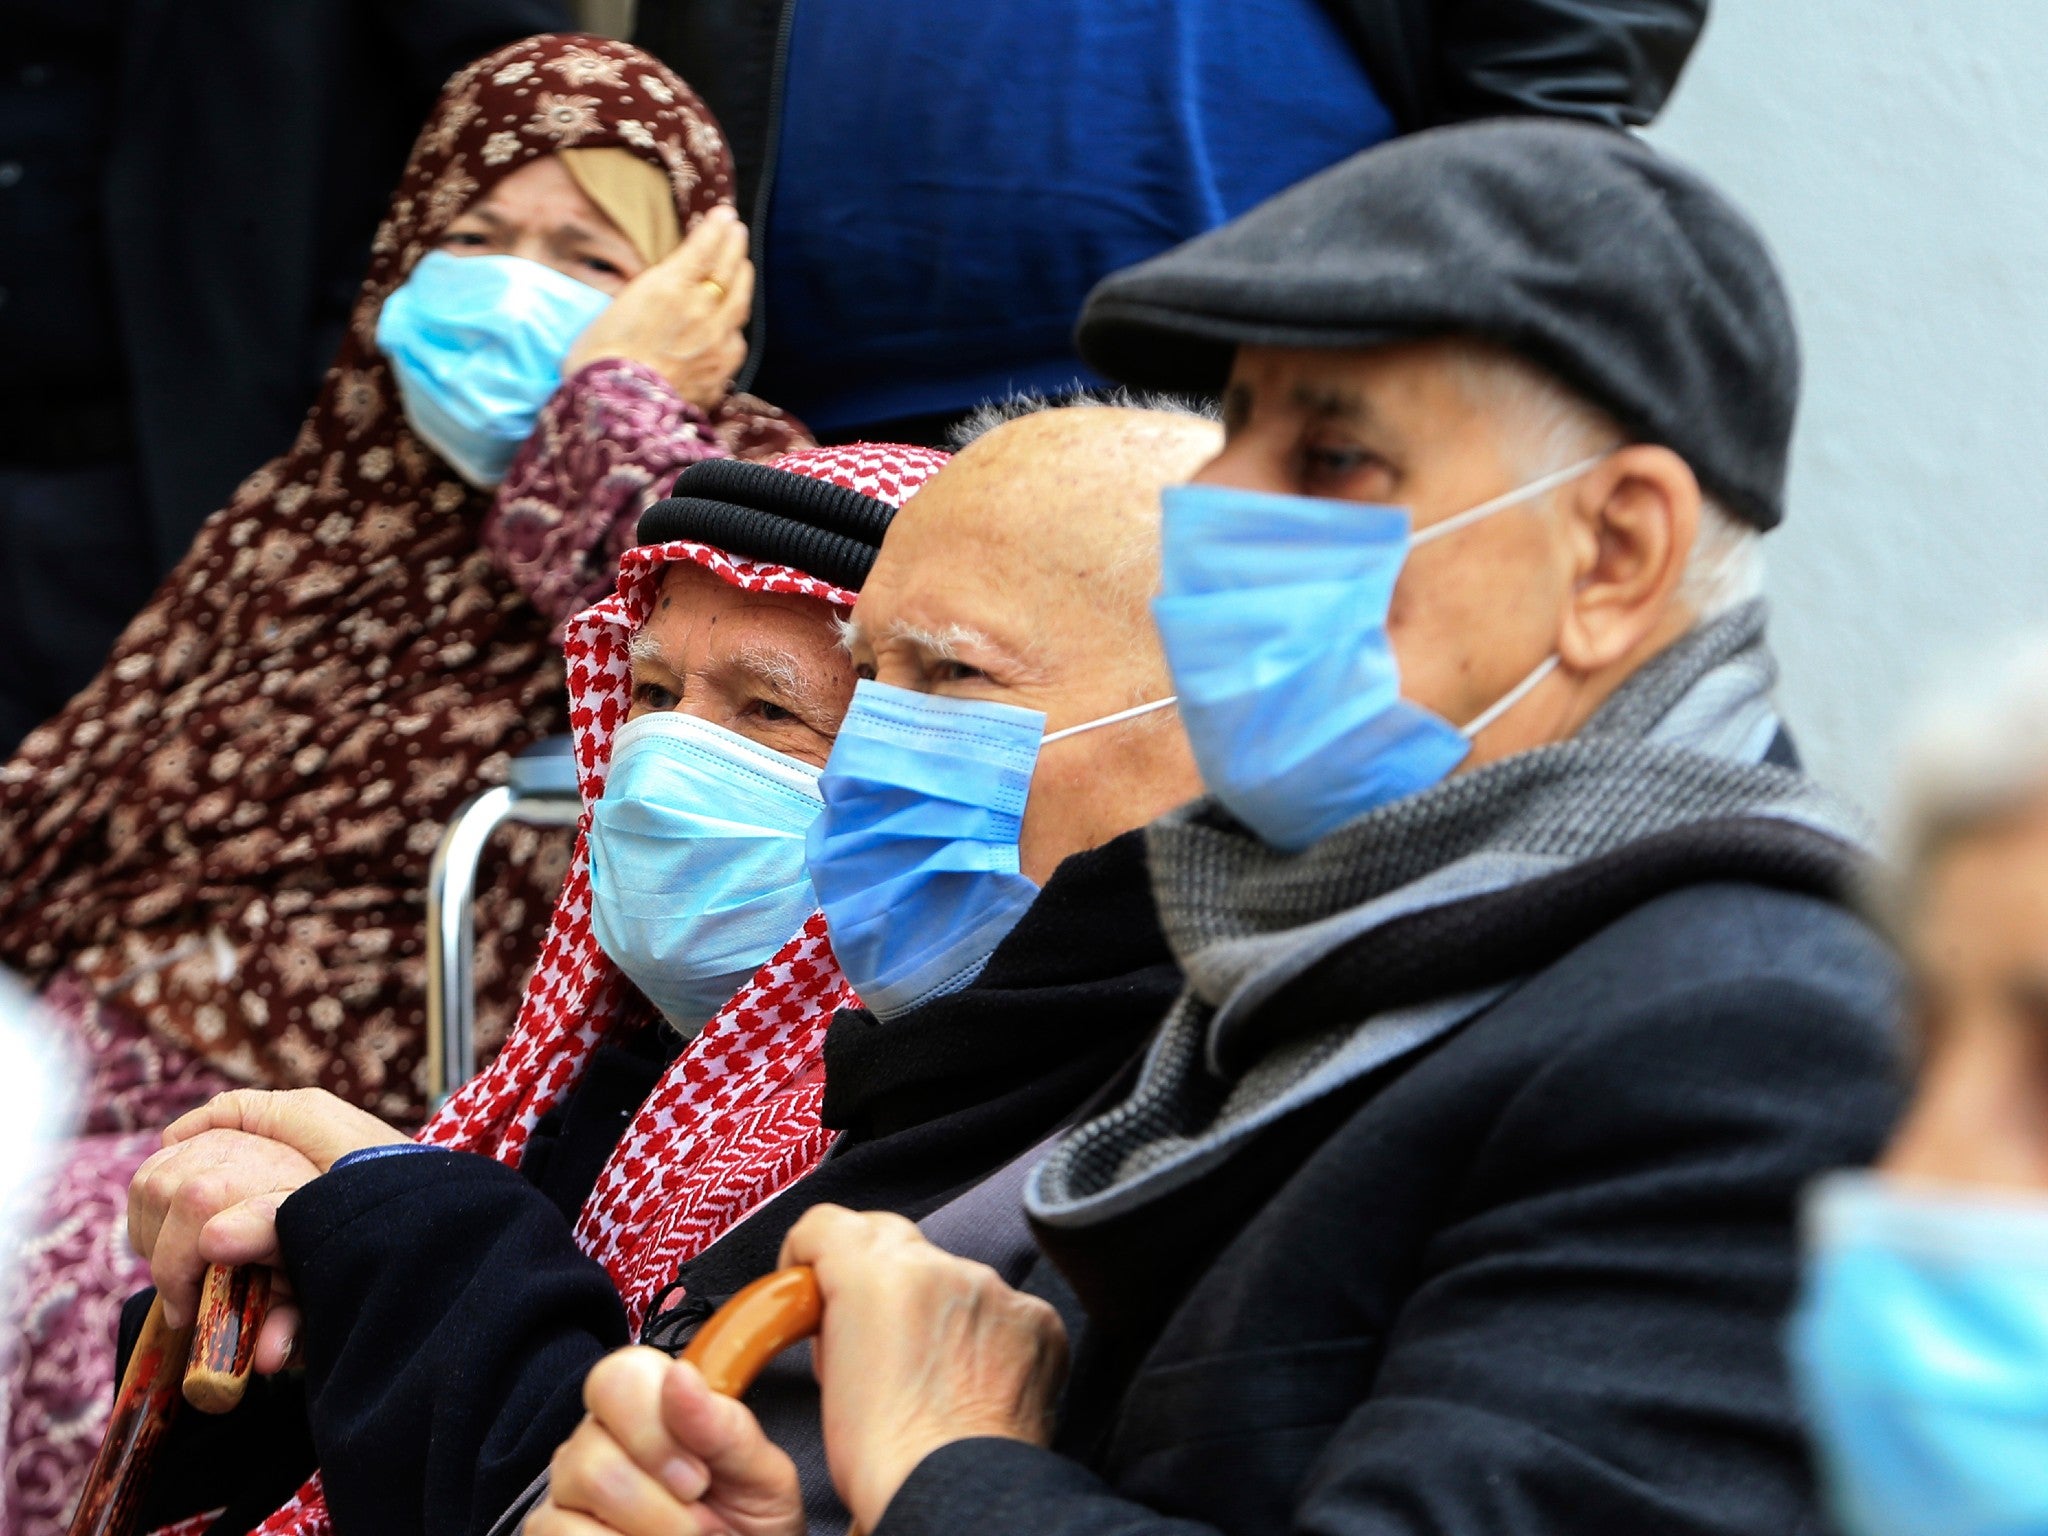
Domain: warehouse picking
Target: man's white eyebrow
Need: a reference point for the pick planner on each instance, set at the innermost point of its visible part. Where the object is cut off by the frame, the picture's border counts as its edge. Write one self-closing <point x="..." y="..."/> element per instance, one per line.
<point x="774" y="666"/>
<point x="948" y="643"/>
<point x="644" y="647"/>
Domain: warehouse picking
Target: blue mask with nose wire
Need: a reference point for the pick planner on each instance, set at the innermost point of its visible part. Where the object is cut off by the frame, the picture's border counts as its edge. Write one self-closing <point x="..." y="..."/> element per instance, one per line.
<point x="697" y="860"/>
<point x="476" y="344"/>
<point x="1920" y="1347"/>
<point x="1273" y="612"/>
<point x="915" y="856"/>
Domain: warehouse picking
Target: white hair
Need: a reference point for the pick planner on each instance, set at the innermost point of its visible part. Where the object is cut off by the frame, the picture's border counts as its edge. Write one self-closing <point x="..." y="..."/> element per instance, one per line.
<point x="989" y="415"/>
<point x="1549" y="427"/>
<point x="1974" y="754"/>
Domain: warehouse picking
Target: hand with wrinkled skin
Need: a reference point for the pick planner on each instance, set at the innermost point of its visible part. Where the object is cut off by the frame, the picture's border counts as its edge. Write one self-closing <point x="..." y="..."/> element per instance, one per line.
<point x="685" y="317"/>
<point x="917" y="1349"/>
<point x="211" y="1195"/>
<point x="660" y="1454"/>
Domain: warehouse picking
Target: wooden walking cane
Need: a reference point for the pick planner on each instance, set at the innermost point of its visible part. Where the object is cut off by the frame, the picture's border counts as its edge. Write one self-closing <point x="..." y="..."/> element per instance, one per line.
<point x="757" y="1324"/>
<point x="210" y="1360"/>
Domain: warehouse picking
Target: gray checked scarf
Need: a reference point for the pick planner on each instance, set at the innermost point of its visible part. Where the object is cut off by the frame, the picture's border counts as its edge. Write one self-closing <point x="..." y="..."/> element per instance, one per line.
<point x="1666" y="782"/>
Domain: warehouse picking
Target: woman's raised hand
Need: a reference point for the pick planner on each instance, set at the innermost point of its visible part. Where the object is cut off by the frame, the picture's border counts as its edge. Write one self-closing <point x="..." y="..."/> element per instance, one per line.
<point x="685" y="317"/>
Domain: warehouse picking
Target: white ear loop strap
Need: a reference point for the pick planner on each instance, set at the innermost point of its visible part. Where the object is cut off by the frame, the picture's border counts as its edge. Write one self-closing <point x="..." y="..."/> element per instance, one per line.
<point x="1508" y="700"/>
<point x="1122" y="714"/>
<point x="1514" y="498"/>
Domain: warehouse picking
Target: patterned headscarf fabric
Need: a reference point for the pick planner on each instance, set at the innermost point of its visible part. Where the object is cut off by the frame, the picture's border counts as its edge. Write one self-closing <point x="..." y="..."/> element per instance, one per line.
<point x="734" y="1120"/>
<point x="227" y="833"/>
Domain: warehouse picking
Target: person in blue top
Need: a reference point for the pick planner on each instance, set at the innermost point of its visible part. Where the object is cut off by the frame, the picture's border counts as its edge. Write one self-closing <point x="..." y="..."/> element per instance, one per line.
<point x="933" y="187"/>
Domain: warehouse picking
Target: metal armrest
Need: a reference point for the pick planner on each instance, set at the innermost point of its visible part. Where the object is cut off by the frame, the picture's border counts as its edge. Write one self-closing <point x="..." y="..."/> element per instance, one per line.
<point x="540" y="790"/>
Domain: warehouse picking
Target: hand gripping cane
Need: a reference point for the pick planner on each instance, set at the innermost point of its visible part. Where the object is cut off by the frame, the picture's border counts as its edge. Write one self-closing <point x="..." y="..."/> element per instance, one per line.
<point x="211" y="1358"/>
<point x="759" y="1323"/>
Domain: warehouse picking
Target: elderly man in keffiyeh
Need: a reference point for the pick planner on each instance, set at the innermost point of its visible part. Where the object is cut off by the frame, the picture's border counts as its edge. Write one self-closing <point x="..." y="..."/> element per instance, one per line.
<point x="213" y="860"/>
<point x="665" y="1075"/>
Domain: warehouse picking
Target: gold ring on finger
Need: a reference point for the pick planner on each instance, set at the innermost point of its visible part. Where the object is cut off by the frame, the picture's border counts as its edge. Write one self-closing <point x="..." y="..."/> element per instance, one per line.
<point x="717" y="288"/>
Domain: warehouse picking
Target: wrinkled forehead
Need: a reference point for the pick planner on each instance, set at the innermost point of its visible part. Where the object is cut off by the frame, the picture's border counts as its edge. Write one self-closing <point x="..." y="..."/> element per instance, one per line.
<point x="685" y="589"/>
<point x="1047" y="526"/>
<point x="1428" y="382"/>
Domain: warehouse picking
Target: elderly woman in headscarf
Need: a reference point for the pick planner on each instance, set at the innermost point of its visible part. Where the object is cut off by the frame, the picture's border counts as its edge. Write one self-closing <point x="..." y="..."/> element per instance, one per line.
<point x="213" y="860"/>
<point x="664" y="1080"/>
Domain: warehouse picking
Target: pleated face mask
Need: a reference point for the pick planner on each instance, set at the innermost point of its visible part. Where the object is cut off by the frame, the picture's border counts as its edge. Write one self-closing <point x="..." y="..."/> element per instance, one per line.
<point x="1273" y="612"/>
<point x="1920" y="1348"/>
<point x="697" y="860"/>
<point x="915" y="857"/>
<point x="476" y="344"/>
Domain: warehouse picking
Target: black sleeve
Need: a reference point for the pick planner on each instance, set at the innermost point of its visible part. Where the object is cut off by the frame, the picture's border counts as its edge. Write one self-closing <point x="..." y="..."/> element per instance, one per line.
<point x="1446" y="61"/>
<point x="1610" y="61"/>
<point x="1593" y="1343"/>
<point x="449" y="1321"/>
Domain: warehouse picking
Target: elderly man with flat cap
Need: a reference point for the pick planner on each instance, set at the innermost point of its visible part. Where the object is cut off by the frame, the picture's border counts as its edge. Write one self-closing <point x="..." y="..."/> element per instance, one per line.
<point x="1454" y="1193"/>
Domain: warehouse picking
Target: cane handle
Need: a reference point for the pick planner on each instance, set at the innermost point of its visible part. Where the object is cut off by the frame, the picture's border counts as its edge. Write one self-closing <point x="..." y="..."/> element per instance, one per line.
<point x="232" y="1306"/>
<point x="758" y="1324"/>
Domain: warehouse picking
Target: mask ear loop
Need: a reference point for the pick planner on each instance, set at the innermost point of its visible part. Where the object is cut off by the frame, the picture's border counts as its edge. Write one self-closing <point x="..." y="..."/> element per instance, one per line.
<point x="1122" y="714"/>
<point x="1508" y="700"/>
<point x="1485" y="509"/>
<point x="1515" y="498"/>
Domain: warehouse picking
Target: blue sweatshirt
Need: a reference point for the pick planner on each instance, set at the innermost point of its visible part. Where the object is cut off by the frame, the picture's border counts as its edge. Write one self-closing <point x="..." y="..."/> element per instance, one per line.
<point x="953" y="176"/>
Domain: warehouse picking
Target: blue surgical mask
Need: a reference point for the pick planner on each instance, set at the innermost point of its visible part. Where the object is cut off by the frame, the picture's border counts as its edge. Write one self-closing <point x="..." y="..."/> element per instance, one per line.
<point x="476" y="344"/>
<point x="697" y="860"/>
<point x="1920" y="1347"/>
<point x="915" y="856"/>
<point x="1273" y="612"/>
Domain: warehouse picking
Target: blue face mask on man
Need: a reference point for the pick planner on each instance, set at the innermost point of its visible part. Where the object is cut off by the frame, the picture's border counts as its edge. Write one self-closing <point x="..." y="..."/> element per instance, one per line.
<point x="915" y="856"/>
<point x="1920" y="1347"/>
<point x="476" y="344"/>
<point x="697" y="860"/>
<point x="1273" y="611"/>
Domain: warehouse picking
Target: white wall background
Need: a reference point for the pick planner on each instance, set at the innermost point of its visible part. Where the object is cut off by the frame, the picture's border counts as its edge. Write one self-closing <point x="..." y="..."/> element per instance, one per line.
<point x="1895" y="153"/>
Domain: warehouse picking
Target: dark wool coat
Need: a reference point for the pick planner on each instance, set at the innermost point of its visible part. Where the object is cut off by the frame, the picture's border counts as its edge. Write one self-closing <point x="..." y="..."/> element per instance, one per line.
<point x="1530" y="1280"/>
<point x="450" y="1317"/>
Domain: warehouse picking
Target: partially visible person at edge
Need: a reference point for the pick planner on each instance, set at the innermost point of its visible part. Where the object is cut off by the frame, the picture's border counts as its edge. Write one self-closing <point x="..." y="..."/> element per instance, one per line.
<point x="618" y="1132"/>
<point x="1455" y="1192"/>
<point x="212" y="861"/>
<point x="172" y="284"/>
<point x="1009" y="607"/>
<point x="931" y="201"/>
<point x="1921" y="1340"/>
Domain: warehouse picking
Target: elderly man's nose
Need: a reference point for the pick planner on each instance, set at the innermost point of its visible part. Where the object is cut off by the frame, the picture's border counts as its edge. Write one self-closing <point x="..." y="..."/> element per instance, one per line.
<point x="1246" y="462"/>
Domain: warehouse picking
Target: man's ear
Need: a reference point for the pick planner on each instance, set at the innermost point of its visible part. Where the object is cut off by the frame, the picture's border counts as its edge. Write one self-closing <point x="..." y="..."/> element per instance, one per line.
<point x="1634" y="521"/>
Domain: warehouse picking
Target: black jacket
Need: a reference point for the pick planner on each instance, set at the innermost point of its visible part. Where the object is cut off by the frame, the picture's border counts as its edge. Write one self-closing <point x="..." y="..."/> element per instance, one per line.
<point x="1431" y="62"/>
<point x="1531" y="1280"/>
<point x="255" y="148"/>
<point x="450" y="1317"/>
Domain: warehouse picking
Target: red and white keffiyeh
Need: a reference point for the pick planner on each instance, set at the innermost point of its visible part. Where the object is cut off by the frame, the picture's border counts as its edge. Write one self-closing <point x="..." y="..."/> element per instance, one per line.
<point x="734" y="1120"/>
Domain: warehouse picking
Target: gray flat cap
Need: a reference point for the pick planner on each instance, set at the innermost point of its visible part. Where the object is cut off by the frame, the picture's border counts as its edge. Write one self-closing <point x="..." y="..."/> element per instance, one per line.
<point x="1580" y="248"/>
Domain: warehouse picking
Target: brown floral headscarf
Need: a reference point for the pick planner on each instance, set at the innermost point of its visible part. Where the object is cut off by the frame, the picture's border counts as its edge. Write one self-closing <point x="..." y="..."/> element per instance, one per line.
<point x="227" y="833"/>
